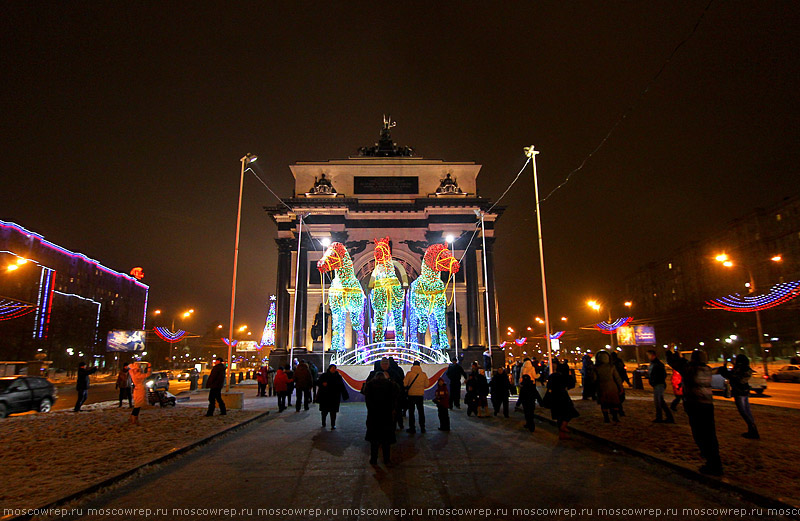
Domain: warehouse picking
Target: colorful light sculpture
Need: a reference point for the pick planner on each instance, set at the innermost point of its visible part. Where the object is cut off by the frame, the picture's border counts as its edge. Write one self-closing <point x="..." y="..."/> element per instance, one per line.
<point x="268" y="336"/>
<point x="609" y="328"/>
<point x="387" y="293"/>
<point x="777" y="295"/>
<point x="166" y="335"/>
<point x="345" y="295"/>
<point x="428" y="299"/>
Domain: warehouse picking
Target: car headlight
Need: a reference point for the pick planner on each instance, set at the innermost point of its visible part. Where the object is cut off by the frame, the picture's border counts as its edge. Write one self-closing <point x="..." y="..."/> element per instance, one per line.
<point x="149" y="384"/>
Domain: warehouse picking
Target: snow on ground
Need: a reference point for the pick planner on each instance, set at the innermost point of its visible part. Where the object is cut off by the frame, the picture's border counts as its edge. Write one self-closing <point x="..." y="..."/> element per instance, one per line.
<point x="768" y="466"/>
<point x="48" y="456"/>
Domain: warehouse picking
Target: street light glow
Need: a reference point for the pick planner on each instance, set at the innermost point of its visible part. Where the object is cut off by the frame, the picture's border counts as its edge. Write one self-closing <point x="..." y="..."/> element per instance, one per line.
<point x="449" y="238"/>
<point x="593" y="304"/>
<point x="563" y="319"/>
<point x="325" y="241"/>
<point x="727" y="264"/>
<point x="157" y="312"/>
<point x="628" y="303"/>
<point x="22" y="261"/>
<point x="241" y="329"/>
<point x="776" y="258"/>
<point x="722" y="257"/>
<point x="12" y="267"/>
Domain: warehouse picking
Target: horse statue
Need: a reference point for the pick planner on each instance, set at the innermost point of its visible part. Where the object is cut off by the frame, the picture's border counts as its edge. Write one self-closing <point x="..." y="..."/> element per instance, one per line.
<point x="428" y="299"/>
<point x="345" y="294"/>
<point x="387" y="293"/>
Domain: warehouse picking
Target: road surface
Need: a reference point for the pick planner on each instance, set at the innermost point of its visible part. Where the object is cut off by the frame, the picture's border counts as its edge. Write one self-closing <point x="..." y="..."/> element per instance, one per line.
<point x="101" y="392"/>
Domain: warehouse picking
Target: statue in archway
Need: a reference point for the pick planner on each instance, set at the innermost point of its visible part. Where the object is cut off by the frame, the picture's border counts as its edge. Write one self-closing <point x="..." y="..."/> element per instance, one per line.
<point x="345" y="294"/>
<point x="387" y="293"/>
<point x="428" y="298"/>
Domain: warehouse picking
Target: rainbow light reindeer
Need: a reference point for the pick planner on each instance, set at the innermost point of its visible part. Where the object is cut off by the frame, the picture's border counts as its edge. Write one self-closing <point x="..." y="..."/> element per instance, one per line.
<point x="387" y="293"/>
<point x="345" y="294"/>
<point x="428" y="299"/>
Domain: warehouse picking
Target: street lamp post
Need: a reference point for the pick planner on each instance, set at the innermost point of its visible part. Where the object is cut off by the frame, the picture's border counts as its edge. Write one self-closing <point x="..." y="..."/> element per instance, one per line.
<point x="451" y="240"/>
<point x="532" y="153"/>
<point x="325" y="243"/>
<point x="728" y="263"/>
<point x="247" y="159"/>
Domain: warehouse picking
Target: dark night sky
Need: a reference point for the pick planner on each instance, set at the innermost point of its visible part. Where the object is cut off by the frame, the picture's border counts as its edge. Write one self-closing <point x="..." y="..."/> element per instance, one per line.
<point x="123" y="127"/>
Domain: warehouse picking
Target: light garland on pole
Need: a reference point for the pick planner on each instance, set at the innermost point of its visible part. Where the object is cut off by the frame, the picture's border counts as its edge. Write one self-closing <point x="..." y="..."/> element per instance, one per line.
<point x="166" y="335"/>
<point x="777" y="295"/>
<point x="610" y="327"/>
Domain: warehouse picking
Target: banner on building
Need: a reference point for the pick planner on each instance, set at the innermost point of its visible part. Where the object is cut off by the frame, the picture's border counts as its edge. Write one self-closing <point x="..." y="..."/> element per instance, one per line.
<point x="126" y="341"/>
<point x="246" y="345"/>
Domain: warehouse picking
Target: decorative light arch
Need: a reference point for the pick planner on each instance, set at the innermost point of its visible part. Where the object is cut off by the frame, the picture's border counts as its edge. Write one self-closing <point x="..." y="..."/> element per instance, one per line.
<point x="166" y="335"/>
<point x="609" y="328"/>
<point x="777" y="295"/>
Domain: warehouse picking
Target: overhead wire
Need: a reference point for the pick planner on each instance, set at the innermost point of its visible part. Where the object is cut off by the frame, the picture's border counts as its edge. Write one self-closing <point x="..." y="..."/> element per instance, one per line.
<point x="634" y="105"/>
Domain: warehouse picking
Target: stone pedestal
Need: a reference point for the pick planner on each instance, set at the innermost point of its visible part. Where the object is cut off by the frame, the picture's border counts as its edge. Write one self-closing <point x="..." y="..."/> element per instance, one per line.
<point x="233" y="399"/>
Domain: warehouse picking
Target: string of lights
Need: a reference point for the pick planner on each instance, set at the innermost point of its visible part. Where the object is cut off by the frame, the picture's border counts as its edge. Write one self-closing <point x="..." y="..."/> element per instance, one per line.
<point x="610" y="327"/>
<point x="166" y="335"/>
<point x="776" y="296"/>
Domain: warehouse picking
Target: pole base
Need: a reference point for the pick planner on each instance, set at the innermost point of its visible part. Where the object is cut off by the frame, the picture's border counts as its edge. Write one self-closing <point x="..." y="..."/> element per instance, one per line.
<point x="233" y="400"/>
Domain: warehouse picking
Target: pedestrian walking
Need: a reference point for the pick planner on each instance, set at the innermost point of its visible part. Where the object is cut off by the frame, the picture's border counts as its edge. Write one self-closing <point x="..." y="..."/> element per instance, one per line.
<point x="698" y="402"/>
<point x="303" y="382"/>
<point x="442" y="400"/>
<point x="588" y="378"/>
<point x="82" y="384"/>
<point x="270" y="381"/>
<point x="677" y="390"/>
<point x="657" y="374"/>
<point x="215" y="383"/>
<point x="471" y="396"/>
<point x="381" y="396"/>
<point x="500" y="388"/>
<point x="527" y="368"/>
<point x="331" y="391"/>
<point x="314" y="377"/>
<point x="455" y="373"/>
<point x="487" y="360"/>
<point x="415" y="383"/>
<point x="138" y="377"/>
<point x="281" y="382"/>
<point x="261" y="379"/>
<point x="619" y="364"/>
<point x="558" y="400"/>
<point x="124" y="385"/>
<point x="528" y="396"/>
<point x="739" y="378"/>
<point x="397" y="376"/>
<point x="609" y="387"/>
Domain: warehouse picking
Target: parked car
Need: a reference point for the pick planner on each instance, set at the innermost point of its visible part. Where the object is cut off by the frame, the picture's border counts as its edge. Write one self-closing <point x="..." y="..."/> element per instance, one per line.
<point x="787" y="373"/>
<point x="158" y="380"/>
<point x="25" y="393"/>
<point x="187" y="375"/>
<point x="758" y="382"/>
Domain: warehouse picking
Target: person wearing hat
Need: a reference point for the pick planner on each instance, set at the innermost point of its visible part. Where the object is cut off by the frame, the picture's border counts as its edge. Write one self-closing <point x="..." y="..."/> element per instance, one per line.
<point x="215" y="382"/>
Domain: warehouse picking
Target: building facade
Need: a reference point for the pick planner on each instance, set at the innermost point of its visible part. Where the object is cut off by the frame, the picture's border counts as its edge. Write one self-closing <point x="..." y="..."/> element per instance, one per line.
<point x="58" y="302"/>
<point x="384" y="191"/>
<point x="763" y="248"/>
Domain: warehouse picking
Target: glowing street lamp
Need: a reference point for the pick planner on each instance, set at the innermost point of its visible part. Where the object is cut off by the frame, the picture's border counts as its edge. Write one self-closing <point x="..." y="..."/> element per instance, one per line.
<point x="728" y="262"/>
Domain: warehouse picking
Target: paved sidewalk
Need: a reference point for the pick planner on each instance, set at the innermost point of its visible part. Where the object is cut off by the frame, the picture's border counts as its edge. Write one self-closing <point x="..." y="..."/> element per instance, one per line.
<point x="288" y="461"/>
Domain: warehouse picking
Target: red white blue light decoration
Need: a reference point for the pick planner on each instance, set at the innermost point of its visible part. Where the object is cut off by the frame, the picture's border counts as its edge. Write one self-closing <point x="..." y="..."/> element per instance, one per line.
<point x="777" y="295"/>
<point x="521" y="341"/>
<point x="503" y="345"/>
<point x="231" y="343"/>
<point x="169" y="336"/>
<point x="609" y="328"/>
<point x="556" y="335"/>
<point x="12" y="309"/>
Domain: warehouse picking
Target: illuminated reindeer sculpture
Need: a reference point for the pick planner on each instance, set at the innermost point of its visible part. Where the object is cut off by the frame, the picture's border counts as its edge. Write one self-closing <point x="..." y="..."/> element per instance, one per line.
<point x="428" y="299"/>
<point x="345" y="294"/>
<point x="387" y="293"/>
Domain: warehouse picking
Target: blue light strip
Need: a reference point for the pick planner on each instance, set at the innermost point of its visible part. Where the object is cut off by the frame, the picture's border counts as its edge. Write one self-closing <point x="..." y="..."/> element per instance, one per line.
<point x="45" y="302"/>
<point x="38" y="302"/>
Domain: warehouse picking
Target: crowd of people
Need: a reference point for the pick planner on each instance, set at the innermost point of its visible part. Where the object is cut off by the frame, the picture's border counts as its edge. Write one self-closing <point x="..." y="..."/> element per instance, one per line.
<point x="391" y="395"/>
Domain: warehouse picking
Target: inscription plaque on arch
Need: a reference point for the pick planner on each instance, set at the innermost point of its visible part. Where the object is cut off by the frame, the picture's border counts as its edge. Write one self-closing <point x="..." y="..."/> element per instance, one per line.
<point x="385" y="185"/>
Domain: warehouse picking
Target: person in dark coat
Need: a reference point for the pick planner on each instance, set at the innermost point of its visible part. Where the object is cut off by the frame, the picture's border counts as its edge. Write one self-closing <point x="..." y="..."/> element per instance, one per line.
<point x="397" y="375"/>
<point x="528" y="396"/>
<point x="303" y="382"/>
<point x="657" y="374"/>
<point x="314" y="377"/>
<point x="381" y="396"/>
<point x="442" y="400"/>
<point x="82" y="384"/>
<point x="331" y="391"/>
<point x="562" y="409"/>
<point x="698" y="402"/>
<point x="215" y="383"/>
<point x="124" y="385"/>
<point x="617" y="362"/>
<point x="609" y="387"/>
<point x="739" y="378"/>
<point x="471" y="396"/>
<point x="289" y="385"/>
<point x="455" y="373"/>
<point x="501" y="389"/>
<point x="589" y="377"/>
<point x="487" y="360"/>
